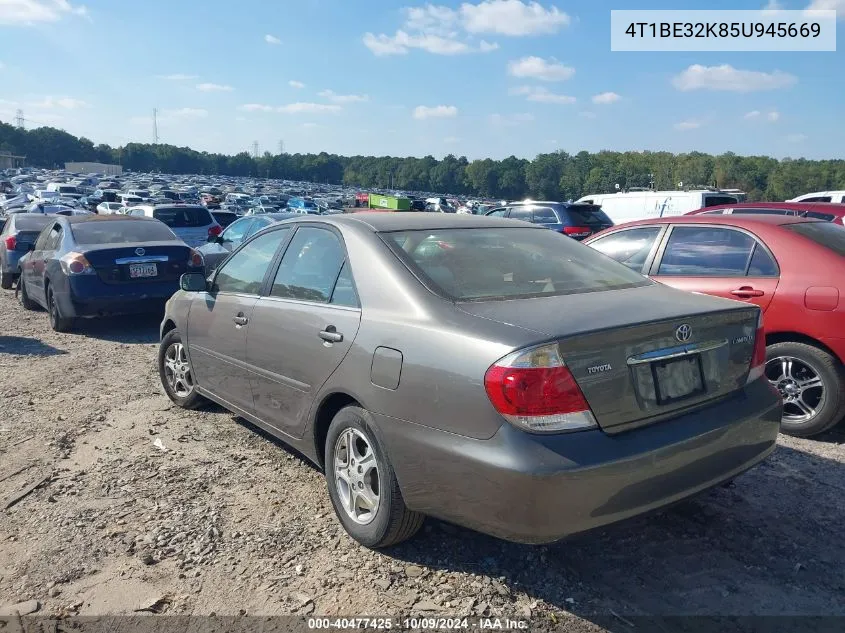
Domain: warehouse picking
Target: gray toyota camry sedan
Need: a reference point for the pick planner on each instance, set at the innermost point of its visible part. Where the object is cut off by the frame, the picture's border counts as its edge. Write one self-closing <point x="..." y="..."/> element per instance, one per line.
<point x="487" y="372"/>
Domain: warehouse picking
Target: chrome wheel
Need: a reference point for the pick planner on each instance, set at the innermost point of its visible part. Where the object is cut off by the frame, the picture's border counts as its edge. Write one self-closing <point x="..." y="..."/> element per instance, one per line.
<point x="177" y="370"/>
<point x="356" y="475"/>
<point x="801" y="386"/>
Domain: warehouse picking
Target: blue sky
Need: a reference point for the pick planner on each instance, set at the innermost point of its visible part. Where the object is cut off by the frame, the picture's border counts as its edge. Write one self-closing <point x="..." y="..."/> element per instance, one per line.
<point x="483" y="78"/>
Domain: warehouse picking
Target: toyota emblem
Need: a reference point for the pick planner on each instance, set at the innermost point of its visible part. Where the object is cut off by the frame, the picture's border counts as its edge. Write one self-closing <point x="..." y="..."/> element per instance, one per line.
<point x="683" y="333"/>
<point x="140" y="252"/>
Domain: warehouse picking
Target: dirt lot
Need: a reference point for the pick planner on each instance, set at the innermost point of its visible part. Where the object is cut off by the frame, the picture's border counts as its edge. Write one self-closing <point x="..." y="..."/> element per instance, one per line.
<point x="224" y="520"/>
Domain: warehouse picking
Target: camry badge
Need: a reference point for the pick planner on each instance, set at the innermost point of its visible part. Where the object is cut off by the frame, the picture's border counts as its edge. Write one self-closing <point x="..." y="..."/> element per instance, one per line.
<point x="683" y="333"/>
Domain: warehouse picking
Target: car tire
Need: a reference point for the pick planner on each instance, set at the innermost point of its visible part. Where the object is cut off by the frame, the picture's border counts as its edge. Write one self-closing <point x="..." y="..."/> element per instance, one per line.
<point x="174" y="369"/>
<point x="6" y="280"/>
<point x="57" y="321"/>
<point x="351" y="436"/>
<point x="23" y="296"/>
<point x="806" y="363"/>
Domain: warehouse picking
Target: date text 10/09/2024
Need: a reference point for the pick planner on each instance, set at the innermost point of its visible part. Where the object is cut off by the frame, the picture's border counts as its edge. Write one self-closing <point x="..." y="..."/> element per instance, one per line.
<point x="419" y="623"/>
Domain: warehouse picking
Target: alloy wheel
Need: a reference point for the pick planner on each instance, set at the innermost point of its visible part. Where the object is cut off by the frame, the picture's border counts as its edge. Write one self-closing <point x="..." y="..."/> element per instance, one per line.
<point x="177" y="370"/>
<point x="357" y="476"/>
<point x="801" y="386"/>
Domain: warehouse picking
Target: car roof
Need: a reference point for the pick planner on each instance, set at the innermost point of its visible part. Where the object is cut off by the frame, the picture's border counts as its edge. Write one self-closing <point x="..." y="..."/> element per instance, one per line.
<point x="834" y="207"/>
<point x="79" y="219"/>
<point x="732" y="220"/>
<point x="380" y="221"/>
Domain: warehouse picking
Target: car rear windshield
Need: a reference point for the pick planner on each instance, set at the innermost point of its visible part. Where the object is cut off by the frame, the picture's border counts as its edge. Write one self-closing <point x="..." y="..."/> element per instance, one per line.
<point x="27" y="222"/>
<point x="507" y="263"/>
<point x="121" y="232"/>
<point x="715" y="201"/>
<point x="828" y="235"/>
<point x="588" y="215"/>
<point x="182" y="217"/>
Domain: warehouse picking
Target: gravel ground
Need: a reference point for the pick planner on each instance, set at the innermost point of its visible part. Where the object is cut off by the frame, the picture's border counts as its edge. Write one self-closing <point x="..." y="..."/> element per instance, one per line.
<point x="144" y="506"/>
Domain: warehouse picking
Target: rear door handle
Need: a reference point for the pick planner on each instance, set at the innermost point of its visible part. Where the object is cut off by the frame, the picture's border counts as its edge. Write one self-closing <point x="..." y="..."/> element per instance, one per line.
<point x="747" y="292"/>
<point x="331" y="335"/>
<point x="240" y="320"/>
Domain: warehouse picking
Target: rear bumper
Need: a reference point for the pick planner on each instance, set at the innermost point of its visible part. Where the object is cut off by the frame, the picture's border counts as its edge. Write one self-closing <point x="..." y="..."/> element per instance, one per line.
<point x="539" y="489"/>
<point x="90" y="297"/>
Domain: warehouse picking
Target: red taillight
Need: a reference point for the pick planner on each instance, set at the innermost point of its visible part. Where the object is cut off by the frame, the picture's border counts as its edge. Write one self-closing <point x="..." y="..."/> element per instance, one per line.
<point x="11" y="242"/>
<point x="215" y="230"/>
<point x="76" y="267"/>
<point x="196" y="259"/>
<point x="577" y="231"/>
<point x="534" y="390"/>
<point x="758" y="359"/>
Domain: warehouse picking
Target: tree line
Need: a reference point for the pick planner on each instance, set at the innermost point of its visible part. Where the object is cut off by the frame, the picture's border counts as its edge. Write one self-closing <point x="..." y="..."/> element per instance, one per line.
<point x="552" y="176"/>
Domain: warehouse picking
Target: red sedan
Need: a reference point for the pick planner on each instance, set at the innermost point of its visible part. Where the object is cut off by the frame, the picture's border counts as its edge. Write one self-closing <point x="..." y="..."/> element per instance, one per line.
<point x="817" y="210"/>
<point x="793" y="268"/>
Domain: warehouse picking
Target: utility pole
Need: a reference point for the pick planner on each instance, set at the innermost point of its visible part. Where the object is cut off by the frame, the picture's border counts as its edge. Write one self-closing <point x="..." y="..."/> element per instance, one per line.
<point x="19" y="119"/>
<point x="255" y="149"/>
<point x="281" y="147"/>
<point x="155" y="126"/>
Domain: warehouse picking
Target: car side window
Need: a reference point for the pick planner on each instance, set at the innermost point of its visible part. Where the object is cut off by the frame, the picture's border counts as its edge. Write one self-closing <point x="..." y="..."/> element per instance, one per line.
<point x="310" y="266"/>
<point x="704" y="251"/>
<point x="244" y="272"/>
<point x="255" y="227"/>
<point x="518" y="213"/>
<point x="344" y="293"/>
<point x="54" y="238"/>
<point x="238" y="231"/>
<point x="629" y="247"/>
<point x="817" y="199"/>
<point x="762" y="264"/>
<point x="43" y="237"/>
<point x="497" y="213"/>
<point x="544" y="215"/>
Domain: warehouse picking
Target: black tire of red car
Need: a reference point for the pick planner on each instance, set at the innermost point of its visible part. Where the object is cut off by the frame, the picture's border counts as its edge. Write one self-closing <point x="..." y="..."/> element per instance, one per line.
<point x="194" y="400"/>
<point x="6" y="280"/>
<point x="23" y="296"/>
<point x="58" y="322"/>
<point x="830" y="370"/>
<point x="393" y="521"/>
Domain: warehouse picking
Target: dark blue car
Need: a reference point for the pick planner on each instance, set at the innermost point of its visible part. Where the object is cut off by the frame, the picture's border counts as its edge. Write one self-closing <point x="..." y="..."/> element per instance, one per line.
<point x="578" y="221"/>
<point x="92" y="266"/>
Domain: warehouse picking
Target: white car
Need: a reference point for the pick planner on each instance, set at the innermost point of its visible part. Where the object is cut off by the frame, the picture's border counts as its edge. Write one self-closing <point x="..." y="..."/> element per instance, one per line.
<point x="821" y="196"/>
<point x="109" y="208"/>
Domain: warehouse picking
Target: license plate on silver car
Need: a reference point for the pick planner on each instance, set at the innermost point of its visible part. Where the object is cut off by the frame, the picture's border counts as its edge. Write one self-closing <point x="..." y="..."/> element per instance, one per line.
<point x="677" y="379"/>
<point x="142" y="270"/>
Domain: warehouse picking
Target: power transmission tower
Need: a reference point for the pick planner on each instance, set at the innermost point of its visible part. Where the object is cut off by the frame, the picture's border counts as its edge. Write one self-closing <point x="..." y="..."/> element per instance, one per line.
<point x="19" y="119"/>
<point x="155" y="126"/>
<point x="255" y="149"/>
<point x="281" y="147"/>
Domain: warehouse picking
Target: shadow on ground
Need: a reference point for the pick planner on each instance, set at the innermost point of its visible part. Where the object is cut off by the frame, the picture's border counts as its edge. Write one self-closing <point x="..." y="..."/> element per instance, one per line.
<point x="770" y="544"/>
<point x="130" y="330"/>
<point x="26" y="346"/>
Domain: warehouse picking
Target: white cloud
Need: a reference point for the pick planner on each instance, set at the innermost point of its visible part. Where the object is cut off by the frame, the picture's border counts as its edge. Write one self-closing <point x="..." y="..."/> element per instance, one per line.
<point x="30" y="12"/>
<point x="256" y="107"/>
<point x="442" y="30"/>
<point x="827" y="5"/>
<point x="605" y="98"/>
<point x="728" y="78"/>
<point x="773" y="116"/>
<point x="754" y="114"/>
<point x="400" y="43"/>
<point x="336" y="98"/>
<point x="512" y="17"/>
<point x="796" y="138"/>
<point x="511" y="119"/>
<point x="539" y="68"/>
<point x="209" y="87"/>
<point x="683" y="126"/>
<point x="178" y="77"/>
<point x="272" y="39"/>
<point x="541" y="94"/>
<point x="773" y="6"/>
<point x="296" y="84"/>
<point x="310" y="108"/>
<point x="435" y="112"/>
<point x="185" y="113"/>
<point x="66" y="103"/>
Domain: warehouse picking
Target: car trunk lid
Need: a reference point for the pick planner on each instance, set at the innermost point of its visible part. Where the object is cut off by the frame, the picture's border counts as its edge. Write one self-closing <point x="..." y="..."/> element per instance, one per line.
<point x="139" y="263"/>
<point x="641" y="355"/>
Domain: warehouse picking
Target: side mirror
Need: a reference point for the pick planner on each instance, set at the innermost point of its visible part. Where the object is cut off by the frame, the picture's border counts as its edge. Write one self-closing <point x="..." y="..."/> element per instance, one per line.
<point x="193" y="282"/>
<point x="24" y="247"/>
